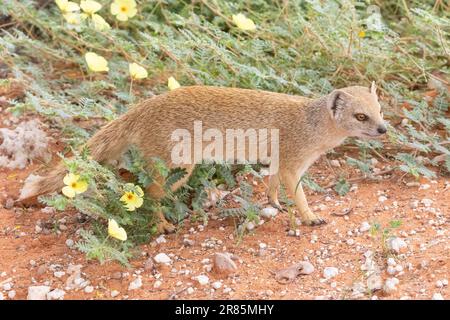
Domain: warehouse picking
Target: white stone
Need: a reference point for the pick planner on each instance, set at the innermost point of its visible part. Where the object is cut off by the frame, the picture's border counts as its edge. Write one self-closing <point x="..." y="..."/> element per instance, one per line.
<point x="114" y="293"/>
<point x="250" y="226"/>
<point x="335" y="163"/>
<point x="391" y="262"/>
<point x="217" y="285"/>
<point x="162" y="258"/>
<point x="89" y="289"/>
<point x="202" y="280"/>
<point x="38" y="292"/>
<point x="161" y="239"/>
<point x="382" y="198"/>
<point x="56" y="294"/>
<point x="11" y="294"/>
<point x="365" y="226"/>
<point x="330" y="272"/>
<point x="69" y="243"/>
<point x="427" y="202"/>
<point x="437" y="296"/>
<point x="7" y="286"/>
<point x="390" y="285"/>
<point x="190" y="290"/>
<point x="59" y="274"/>
<point x="135" y="284"/>
<point x="269" y="212"/>
<point x="396" y="244"/>
<point x="157" y="284"/>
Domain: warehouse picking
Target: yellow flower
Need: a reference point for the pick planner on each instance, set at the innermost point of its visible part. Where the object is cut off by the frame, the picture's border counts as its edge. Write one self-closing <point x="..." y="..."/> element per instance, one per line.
<point x="74" y="185"/>
<point x="115" y="231"/>
<point x="95" y="62"/>
<point x="99" y="23"/>
<point x="69" y="11"/>
<point x="172" y="83"/>
<point x="67" y="6"/>
<point x="123" y="9"/>
<point x="137" y="71"/>
<point x="243" y="23"/>
<point x="90" y="7"/>
<point x="132" y="199"/>
<point x="72" y="17"/>
<point x="362" y="34"/>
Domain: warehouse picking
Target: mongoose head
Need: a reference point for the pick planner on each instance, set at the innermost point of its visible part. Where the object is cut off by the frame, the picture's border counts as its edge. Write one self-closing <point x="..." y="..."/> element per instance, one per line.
<point x="357" y="111"/>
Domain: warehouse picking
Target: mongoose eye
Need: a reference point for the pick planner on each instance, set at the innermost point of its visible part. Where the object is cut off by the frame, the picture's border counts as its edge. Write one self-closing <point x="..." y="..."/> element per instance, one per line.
<point x="361" y="117"/>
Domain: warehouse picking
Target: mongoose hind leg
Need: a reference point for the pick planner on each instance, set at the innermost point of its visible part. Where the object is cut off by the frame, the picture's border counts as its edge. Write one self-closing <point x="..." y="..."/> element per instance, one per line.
<point x="295" y="188"/>
<point x="272" y="192"/>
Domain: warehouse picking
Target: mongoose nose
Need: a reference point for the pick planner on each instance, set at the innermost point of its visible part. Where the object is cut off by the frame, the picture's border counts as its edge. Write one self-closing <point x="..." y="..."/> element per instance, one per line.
<point x="381" y="129"/>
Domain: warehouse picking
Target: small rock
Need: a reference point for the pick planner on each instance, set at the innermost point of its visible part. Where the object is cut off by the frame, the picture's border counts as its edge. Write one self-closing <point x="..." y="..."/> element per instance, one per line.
<point x="250" y="226"/>
<point x="11" y="294"/>
<point x="335" y="163"/>
<point x="390" y="285"/>
<point x="157" y="284"/>
<point x="269" y="212"/>
<point x="396" y="244"/>
<point x="224" y="264"/>
<point x="56" y="294"/>
<point x="190" y="290"/>
<point x="391" y="262"/>
<point x="114" y="293"/>
<point x="330" y="272"/>
<point x="9" y="203"/>
<point x="7" y="286"/>
<point x="59" y="274"/>
<point x="188" y="242"/>
<point x="135" y="284"/>
<point x="374" y="282"/>
<point x="437" y="296"/>
<point x="202" y="280"/>
<point x="89" y="289"/>
<point x="427" y="202"/>
<point x="1" y="297"/>
<point x="217" y="285"/>
<point x="365" y="226"/>
<point x="161" y="239"/>
<point x="38" y="292"/>
<point x="162" y="258"/>
<point x="382" y="198"/>
<point x="69" y="243"/>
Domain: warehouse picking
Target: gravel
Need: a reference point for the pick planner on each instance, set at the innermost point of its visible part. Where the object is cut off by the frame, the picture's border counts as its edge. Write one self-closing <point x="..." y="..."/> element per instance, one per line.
<point x="56" y="294"/>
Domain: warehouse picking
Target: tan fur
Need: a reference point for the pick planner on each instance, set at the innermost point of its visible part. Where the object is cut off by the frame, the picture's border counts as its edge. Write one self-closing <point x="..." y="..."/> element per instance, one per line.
<point x="308" y="128"/>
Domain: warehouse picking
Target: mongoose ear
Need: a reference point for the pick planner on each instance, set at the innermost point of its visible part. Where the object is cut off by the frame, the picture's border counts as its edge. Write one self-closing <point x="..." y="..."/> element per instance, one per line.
<point x="337" y="102"/>
<point x="373" y="88"/>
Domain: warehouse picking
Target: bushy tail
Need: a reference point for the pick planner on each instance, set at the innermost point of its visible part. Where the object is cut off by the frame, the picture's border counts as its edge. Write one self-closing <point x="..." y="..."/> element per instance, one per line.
<point x="107" y="144"/>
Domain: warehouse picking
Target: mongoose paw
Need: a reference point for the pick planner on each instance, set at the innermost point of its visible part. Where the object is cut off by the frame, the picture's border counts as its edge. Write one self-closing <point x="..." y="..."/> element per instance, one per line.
<point x="315" y="221"/>
<point x="277" y="206"/>
<point x="165" y="227"/>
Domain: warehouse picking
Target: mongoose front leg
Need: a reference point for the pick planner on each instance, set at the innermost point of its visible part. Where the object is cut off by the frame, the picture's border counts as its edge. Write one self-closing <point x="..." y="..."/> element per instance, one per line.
<point x="295" y="188"/>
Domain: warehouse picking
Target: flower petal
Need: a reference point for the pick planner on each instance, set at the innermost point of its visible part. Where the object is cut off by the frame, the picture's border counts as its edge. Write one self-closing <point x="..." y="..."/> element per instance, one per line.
<point x="68" y="192"/>
<point x="81" y="186"/>
<point x="172" y="83"/>
<point x="115" y="231"/>
<point x="70" y="178"/>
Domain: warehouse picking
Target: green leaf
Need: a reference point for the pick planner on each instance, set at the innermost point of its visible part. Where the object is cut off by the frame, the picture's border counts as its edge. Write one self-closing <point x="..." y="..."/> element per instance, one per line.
<point x="342" y="187"/>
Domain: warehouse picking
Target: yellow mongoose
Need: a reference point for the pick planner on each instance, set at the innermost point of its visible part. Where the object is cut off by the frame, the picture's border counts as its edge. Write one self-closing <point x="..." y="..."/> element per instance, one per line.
<point x="307" y="129"/>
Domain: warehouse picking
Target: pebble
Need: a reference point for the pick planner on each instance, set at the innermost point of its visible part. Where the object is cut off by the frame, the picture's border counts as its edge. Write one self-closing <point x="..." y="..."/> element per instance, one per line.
<point x="161" y="239"/>
<point x="59" y="274"/>
<point x="217" y="285"/>
<point x="114" y="293"/>
<point x="437" y="296"/>
<point x="223" y="263"/>
<point x="269" y="212"/>
<point x="202" y="280"/>
<point x="396" y="244"/>
<point x="335" y="163"/>
<point x="365" y="226"/>
<point x="69" y="243"/>
<point x="135" y="284"/>
<point x="89" y="289"/>
<point x="374" y="282"/>
<point x="162" y="258"/>
<point x="250" y="226"/>
<point x="157" y="284"/>
<point x="38" y="292"/>
<point x="330" y="272"/>
<point x="1" y="296"/>
<point x="11" y="294"/>
<point x="190" y="290"/>
<point x="56" y="294"/>
<point x="382" y="198"/>
<point x="7" y="286"/>
<point x="390" y="285"/>
<point x="426" y="202"/>
<point x="391" y="262"/>
<point x="188" y="242"/>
